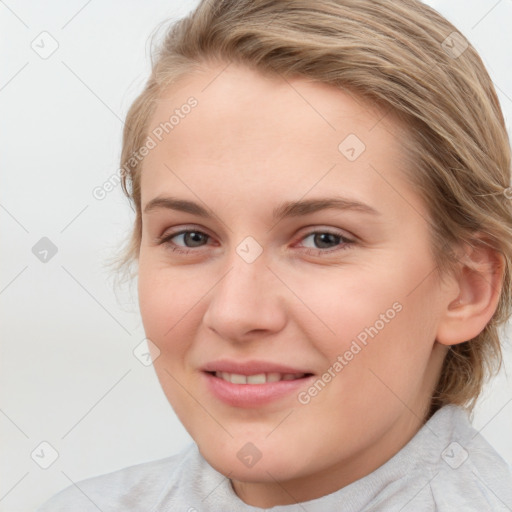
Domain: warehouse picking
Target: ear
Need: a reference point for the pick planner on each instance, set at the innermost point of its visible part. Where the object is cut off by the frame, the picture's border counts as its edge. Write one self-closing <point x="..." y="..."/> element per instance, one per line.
<point x="477" y="287"/>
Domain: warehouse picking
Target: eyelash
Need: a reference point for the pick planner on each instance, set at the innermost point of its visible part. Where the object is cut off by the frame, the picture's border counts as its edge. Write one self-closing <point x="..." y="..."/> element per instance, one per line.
<point x="347" y="243"/>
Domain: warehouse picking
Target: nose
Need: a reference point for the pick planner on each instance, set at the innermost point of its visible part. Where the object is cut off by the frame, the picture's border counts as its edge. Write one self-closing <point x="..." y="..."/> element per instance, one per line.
<point x="247" y="302"/>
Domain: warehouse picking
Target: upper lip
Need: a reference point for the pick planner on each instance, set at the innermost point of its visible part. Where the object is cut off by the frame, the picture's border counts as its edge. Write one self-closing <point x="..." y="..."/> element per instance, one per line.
<point x="253" y="367"/>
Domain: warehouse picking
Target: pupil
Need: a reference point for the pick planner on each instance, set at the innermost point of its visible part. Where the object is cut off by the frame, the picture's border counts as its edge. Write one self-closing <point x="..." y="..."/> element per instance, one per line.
<point x="325" y="238"/>
<point x="193" y="236"/>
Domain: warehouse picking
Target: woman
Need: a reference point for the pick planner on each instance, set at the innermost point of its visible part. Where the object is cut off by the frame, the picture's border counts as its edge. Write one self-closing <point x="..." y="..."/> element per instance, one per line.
<point x="323" y="246"/>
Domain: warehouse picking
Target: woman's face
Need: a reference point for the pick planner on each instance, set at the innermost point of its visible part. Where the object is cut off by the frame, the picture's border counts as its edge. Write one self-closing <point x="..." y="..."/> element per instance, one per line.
<point x="296" y="340"/>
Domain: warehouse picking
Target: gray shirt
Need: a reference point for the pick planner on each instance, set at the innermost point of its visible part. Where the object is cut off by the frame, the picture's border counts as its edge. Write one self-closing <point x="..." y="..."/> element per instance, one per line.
<point x="446" y="466"/>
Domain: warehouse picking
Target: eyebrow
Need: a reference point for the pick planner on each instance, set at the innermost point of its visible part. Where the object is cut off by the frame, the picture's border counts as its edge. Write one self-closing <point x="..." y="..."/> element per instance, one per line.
<point x="287" y="209"/>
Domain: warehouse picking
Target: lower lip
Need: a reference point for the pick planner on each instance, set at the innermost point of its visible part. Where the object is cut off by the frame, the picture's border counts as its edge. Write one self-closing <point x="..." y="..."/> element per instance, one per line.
<point x="252" y="395"/>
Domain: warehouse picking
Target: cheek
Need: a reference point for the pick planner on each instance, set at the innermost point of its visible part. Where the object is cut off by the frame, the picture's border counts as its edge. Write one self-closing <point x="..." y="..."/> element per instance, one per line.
<point x="346" y="304"/>
<point x="169" y="318"/>
<point x="168" y="301"/>
<point x="377" y="319"/>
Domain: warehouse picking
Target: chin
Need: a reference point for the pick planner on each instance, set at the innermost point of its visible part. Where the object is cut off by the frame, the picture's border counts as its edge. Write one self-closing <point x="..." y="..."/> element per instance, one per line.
<point x="229" y="460"/>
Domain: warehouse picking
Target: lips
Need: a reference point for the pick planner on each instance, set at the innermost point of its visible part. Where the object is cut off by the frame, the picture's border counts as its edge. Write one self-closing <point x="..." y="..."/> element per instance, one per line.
<point x="253" y="383"/>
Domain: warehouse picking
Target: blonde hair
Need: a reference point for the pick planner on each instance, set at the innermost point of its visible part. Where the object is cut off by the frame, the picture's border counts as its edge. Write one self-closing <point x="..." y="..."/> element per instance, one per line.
<point x="408" y="59"/>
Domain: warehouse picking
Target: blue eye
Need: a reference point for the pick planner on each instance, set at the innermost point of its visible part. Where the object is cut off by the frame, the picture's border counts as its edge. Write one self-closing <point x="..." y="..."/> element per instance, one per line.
<point x="321" y="238"/>
<point x="193" y="238"/>
<point x="326" y="241"/>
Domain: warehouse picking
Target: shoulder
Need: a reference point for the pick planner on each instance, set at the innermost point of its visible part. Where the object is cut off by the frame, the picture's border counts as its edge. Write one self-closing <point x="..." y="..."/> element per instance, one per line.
<point x="448" y="465"/>
<point x="132" y="488"/>
<point x="468" y="472"/>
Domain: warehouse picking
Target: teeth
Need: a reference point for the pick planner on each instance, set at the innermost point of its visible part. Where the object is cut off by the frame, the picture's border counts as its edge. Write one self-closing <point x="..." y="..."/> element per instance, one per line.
<point x="238" y="379"/>
<point x="260" y="378"/>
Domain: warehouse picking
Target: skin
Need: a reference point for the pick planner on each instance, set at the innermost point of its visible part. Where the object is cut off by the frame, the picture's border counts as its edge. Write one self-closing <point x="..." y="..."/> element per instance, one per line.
<point x="250" y="144"/>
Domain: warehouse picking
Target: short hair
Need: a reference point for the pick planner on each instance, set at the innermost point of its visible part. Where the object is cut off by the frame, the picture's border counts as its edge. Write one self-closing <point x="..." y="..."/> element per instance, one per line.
<point x="403" y="56"/>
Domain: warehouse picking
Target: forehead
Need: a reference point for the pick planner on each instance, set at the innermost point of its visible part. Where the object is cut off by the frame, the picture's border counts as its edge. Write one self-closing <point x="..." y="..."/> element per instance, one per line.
<point x="236" y="102"/>
<point x="280" y="135"/>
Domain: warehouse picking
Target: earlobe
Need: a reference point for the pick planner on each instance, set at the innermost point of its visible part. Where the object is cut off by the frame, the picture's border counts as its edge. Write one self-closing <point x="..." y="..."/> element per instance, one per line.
<point x="479" y="282"/>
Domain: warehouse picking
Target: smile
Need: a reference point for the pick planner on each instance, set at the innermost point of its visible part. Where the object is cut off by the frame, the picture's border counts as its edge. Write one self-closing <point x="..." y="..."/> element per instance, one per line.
<point x="256" y="389"/>
<point x="259" y="378"/>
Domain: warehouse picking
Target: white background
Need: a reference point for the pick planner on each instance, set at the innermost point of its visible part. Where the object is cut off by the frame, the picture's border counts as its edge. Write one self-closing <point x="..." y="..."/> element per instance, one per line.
<point x="68" y="374"/>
